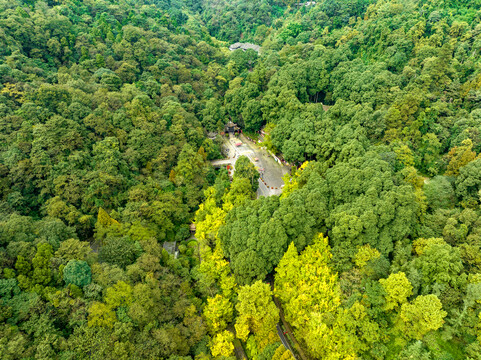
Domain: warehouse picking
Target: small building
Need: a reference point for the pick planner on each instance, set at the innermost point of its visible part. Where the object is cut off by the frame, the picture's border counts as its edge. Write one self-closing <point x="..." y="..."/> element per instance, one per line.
<point x="171" y="248"/>
<point x="192" y="228"/>
<point x="211" y="135"/>
<point x="244" y="47"/>
<point x="307" y="3"/>
<point x="231" y="128"/>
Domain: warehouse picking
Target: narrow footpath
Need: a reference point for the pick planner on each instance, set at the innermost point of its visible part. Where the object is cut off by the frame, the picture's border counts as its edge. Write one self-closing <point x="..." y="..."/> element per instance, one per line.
<point x="297" y="350"/>
<point x="238" y="349"/>
<point x="292" y="344"/>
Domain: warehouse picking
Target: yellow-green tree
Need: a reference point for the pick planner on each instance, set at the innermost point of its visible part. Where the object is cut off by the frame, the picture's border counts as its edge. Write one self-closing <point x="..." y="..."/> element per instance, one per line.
<point x="104" y="219"/>
<point x="222" y="344"/>
<point x="218" y="313"/>
<point x="214" y="274"/>
<point x="101" y="315"/>
<point x="364" y="254"/>
<point x="309" y="293"/>
<point x="291" y="183"/>
<point x="424" y="314"/>
<point x="305" y="283"/>
<point x="341" y="334"/>
<point x="208" y="219"/>
<point x="257" y="313"/>
<point x="398" y="289"/>
<point x="121" y="294"/>
<point x="459" y="156"/>
<point x="282" y="353"/>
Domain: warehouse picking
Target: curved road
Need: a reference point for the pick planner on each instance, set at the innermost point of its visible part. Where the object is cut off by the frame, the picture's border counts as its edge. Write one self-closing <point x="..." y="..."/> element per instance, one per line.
<point x="271" y="182"/>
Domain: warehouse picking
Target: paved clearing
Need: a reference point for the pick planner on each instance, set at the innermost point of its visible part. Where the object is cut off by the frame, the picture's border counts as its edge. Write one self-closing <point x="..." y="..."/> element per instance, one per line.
<point x="271" y="172"/>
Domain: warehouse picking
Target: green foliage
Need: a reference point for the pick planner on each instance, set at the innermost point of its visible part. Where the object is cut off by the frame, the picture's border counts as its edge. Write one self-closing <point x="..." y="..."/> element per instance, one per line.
<point x="249" y="247"/>
<point x="423" y="315"/>
<point x="218" y="313"/>
<point x="245" y="169"/>
<point x="104" y="112"/>
<point x="42" y="274"/>
<point x="228" y="21"/>
<point x="439" y="193"/>
<point x="291" y="31"/>
<point x="468" y="183"/>
<point x="257" y="314"/>
<point x="119" y="251"/>
<point x="244" y="60"/>
<point x="439" y="263"/>
<point x="92" y="123"/>
<point x="9" y="288"/>
<point x="77" y="272"/>
<point x="398" y="290"/>
<point x="72" y="249"/>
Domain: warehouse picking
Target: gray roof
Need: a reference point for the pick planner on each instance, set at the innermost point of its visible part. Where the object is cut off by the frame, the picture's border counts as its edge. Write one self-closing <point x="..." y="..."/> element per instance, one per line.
<point x="244" y="46"/>
<point x="307" y="3"/>
<point x="171" y="247"/>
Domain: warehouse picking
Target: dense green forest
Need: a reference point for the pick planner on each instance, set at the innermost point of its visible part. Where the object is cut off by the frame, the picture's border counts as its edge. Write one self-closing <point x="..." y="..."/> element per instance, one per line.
<point x="373" y="250"/>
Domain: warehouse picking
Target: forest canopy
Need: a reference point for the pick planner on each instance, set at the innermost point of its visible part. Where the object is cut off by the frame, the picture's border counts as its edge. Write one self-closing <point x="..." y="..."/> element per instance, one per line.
<point x="120" y="240"/>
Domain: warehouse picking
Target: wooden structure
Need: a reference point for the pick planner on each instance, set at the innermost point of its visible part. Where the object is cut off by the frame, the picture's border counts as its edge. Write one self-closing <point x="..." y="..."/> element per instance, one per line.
<point x="231" y="128"/>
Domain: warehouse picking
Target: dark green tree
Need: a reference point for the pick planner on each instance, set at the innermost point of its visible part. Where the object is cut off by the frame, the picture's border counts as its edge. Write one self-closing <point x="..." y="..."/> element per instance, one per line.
<point x="77" y="272"/>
